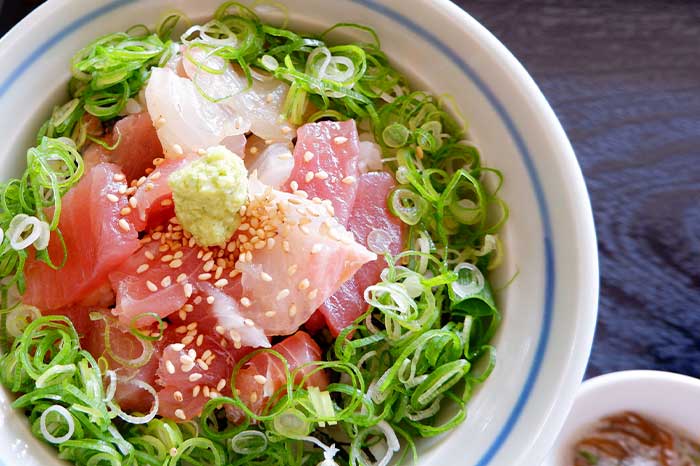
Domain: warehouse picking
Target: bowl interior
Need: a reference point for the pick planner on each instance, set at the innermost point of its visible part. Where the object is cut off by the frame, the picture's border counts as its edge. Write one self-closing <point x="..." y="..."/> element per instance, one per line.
<point x="549" y="309"/>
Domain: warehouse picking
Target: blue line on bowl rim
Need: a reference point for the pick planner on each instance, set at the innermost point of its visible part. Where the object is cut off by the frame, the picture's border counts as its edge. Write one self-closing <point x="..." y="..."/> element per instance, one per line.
<point x="471" y="74"/>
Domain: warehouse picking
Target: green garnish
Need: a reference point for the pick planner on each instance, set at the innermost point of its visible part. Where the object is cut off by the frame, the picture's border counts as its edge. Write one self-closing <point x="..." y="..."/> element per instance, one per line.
<point x="589" y="457"/>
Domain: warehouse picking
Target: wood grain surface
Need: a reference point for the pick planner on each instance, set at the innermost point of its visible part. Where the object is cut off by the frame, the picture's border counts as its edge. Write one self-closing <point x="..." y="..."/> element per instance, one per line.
<point x="624" y="79"/>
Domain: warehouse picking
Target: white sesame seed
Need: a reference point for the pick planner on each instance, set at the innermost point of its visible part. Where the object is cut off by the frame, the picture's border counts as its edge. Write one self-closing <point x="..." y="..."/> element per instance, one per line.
<point x="205" y="391"/>
<point x="177" y="148"/>
<point x="210" y="299"/>
<point x="220" y="386"/>
<point x="282" y="294"/>
<point x="248" y="322"/>
<point x="180" y="414"/>
<point x="285" y="246"/>
<point x="124" y="225"/>
<point x="155" y="175"/>
<point x="142" y="268"/>
<point x="304" y="284"/>
<point x="112" y="198"/>
<point x="340" y="139"/>
<point x="195" y="391"/>
<point x="321" y="175"/>
<point x="265" y="277"/>
<point x="166" y="281"/>
<point x="294" y="185"/>
<point x="175" y="264"/>
<point x="292" y="269"/>
<point x="187" y="287"/>
<point x="119" y="177"/>
<point x="220" y="330"/>
<point x="173" y="451"/>
<point x="292" y="310"/>
<point x="200" y="340"/>
<point x="313" y="293"/>
<point x="221" y="283"/>
<point x="316" y="248"/>
<point x="349" y="180"/>
<point x="235" y="336"/>
<point x="245" y="301"/>
<point x="194" y="377"/>
<point x="149" y="255"/>
<point x="177" y="346"/>
<point x="253" y="397"/>
<point x="270" y="314"/>
<point x="204" y="276"/>
<point x="203" y="364"/>
<point x="309" y="176"/>
<point x="178" y="396"/>
<point x="261" y="379"/>
<point x="308" y="155"/>
<point x="151" y="286"/>
<point x="125" y="211"/>
<point x="201" y="152"/>
<point x="170" y="367"/>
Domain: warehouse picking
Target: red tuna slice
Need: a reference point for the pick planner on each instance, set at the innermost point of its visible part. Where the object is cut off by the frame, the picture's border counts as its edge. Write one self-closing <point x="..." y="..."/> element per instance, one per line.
<point x="123" y="348"/>
<point x="198" y="359"/>
<point x="325" y="164"/>
<point x="97" y="240"/>
<point x="377" y="228"/>
<point x="264" y="374"/>
<point x="152" y="202"/>
<point x="149" y="282"/>
<point x="308" y="260"/>
<point x="137" y="147"/>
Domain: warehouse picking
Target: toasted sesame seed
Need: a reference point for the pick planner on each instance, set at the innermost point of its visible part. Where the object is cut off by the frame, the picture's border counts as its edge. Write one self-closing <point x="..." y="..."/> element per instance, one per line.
<point x="265" y="277"/>
<point x="124" y="225"/>
<point x="166" y="202"/>
<point x="151" y="286"/>
<point x="316" y="248"/>
<point x="261" y="379"/>
<point x="253" y="397"/>
<point x="142" y="268"/>
<point x="200" y="340"/>
<point x="309" y="176"/>
<point x="195" y="391"/>
<point x="187" y="287"/>
<point x="313" y="293"/>
<point x="125" y="211"/>
<point x="292" y="310"/>
<point x="304" y="284"/>
<point x="221" y="283"/>
<point x="321" y="175"/>
<point x="308" y="155"/>
<point x="180" y="414"/>
<point x="194" y="377"/>
<point x="349" y="180"/>
<point x="219" y="272"/>
<point x="187" y="340"/>
<point x="149" y="186"/>
<point x="112" y="198"/>
<point x="253" y="150"/>
<point x="270" y="313"/>
<point x="282" y="294"/>
<point x="340" y="139"/>
<point x="170" y="367"/>
<point x="166" y="281"/>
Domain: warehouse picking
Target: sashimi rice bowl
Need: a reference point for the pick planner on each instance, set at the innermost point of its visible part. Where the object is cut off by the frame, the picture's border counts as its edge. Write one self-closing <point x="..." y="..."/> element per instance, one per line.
<point x="238" y="243"/>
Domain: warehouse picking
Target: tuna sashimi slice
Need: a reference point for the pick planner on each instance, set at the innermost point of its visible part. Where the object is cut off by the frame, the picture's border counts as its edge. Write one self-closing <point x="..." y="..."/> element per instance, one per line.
<point x="325" y="164"/>
<point x="374" y="226"/>
<point x="97" y="237"/>
<point x="137" y="146"/>
<point x="305" y="263"/>
<point x="264" y="374"/>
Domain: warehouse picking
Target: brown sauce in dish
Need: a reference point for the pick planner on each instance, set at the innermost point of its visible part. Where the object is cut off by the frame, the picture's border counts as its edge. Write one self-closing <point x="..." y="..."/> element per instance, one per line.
<point x="628" y="439"/>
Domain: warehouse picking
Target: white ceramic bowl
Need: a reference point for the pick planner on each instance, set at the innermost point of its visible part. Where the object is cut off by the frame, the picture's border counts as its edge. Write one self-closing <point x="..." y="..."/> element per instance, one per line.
<point x="550" y="309"/>
<point x="667" y="398"/>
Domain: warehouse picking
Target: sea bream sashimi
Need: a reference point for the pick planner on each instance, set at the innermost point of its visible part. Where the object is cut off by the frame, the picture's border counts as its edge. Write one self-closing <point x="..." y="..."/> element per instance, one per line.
<point x="305" y="256"/>
<point x="97" y="236"/>
<point x="377" y="228"/>
<point x="258" y="103"/>
<point x="325" y="164"/>
<point x="184" y="119"/>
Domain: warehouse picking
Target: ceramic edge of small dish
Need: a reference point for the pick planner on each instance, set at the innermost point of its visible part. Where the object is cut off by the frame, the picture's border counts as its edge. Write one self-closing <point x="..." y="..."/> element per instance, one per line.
<point x="657" y="394"/>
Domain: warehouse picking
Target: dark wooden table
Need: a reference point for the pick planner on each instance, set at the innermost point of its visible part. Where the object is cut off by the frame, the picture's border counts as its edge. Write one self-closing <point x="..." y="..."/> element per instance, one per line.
<point x="624" y="79"/>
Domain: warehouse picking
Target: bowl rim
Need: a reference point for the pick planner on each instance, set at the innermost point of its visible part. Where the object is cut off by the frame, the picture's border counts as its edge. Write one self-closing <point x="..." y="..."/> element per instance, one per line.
<point x="580" y="202"/>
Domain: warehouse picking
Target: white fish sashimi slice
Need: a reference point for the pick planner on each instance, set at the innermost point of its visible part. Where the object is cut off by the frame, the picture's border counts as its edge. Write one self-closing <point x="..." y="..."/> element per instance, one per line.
<point x="273" y="165"/>
<point x="227" y="312"/>
<point x="185" y="121"/>
<point x="311" y="257"/>
<point x="261" y="104"/>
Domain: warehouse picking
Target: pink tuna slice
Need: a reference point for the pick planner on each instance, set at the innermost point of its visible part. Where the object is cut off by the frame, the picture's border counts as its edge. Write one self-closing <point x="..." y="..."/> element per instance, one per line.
<point x="97" y="240"/>
<point x="308" y="260"/>
<point x="256" y="392"/>
<point x="370" y="219"/>
<point x="138" y="146"/>
<point x="326" y="154"/>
